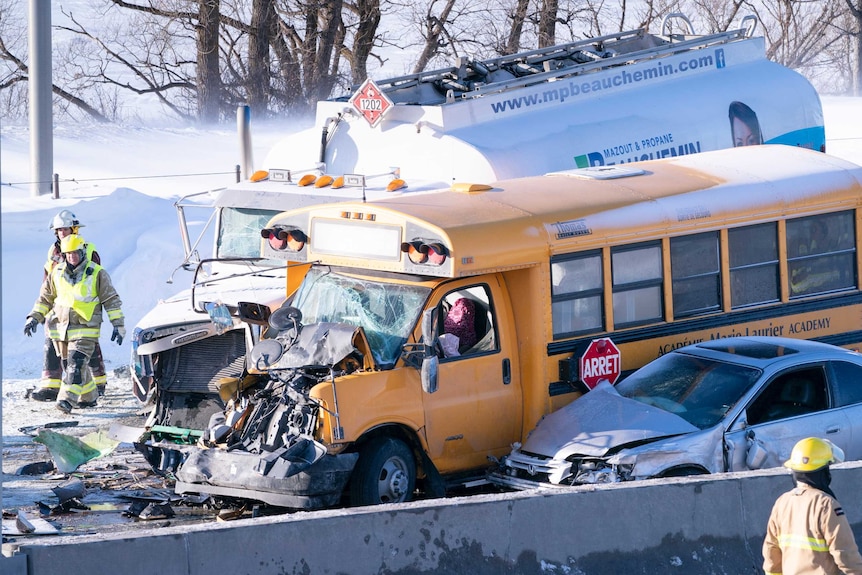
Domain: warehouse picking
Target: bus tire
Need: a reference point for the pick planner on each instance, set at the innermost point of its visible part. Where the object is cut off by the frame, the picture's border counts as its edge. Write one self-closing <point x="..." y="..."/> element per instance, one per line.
<point x="385" y="473"/>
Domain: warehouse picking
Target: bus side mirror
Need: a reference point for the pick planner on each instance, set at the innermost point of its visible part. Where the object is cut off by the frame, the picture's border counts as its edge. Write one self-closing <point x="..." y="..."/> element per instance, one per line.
<point x="428" y="373"/>
<point x="428" y="325"/>
<point x="422" y="355"/>
<point x="430" y="362"/>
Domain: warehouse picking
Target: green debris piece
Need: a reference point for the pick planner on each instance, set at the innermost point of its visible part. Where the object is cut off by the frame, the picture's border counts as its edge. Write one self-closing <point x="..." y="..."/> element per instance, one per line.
<point x="69" y="452"/>
<point x="180" y="435"/>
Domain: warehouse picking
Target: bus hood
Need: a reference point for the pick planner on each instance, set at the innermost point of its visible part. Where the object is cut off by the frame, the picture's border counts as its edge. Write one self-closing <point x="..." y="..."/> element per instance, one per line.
<point x="600" y="421"/>
<point x="332" y="345"/>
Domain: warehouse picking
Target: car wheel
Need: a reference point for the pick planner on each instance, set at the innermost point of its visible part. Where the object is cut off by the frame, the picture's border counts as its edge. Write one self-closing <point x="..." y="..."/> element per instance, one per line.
<point x="385" y="473"/>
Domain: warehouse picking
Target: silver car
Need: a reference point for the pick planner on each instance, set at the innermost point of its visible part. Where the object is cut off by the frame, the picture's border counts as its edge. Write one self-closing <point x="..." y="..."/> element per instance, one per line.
<point x="725" y="405"/>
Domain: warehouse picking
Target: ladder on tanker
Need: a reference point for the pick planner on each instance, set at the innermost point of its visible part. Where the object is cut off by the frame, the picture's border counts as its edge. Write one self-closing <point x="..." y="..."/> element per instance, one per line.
<point x="470" y="78"/>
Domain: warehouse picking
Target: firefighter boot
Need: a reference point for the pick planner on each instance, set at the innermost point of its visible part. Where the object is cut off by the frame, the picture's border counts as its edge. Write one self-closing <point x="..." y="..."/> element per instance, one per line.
<point x="44" y="394"/>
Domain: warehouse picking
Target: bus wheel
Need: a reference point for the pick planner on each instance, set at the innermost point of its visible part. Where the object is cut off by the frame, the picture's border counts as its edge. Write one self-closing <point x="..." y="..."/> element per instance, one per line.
<point x="385" y="473"/>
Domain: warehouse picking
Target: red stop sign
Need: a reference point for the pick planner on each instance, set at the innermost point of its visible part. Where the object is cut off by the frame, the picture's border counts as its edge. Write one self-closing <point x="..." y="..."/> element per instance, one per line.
<point x="600" y="361"/>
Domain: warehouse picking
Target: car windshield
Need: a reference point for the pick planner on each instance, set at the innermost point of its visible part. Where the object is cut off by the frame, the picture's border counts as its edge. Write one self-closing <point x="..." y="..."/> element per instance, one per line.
<point x="239" y="231"/>
<point x="386" y="311"/>
<point x="699" y="390"/>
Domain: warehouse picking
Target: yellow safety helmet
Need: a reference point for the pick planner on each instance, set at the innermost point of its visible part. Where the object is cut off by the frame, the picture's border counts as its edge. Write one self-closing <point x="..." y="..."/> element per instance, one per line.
<point x="812" y="453"/>
<point x="71" y="243"/>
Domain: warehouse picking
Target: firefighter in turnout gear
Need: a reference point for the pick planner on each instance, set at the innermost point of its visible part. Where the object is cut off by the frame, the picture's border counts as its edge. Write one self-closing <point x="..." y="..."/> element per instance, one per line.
<point x="70" y="304"/>
<point x="808" y="532"/>
<point x="64" y="224"/>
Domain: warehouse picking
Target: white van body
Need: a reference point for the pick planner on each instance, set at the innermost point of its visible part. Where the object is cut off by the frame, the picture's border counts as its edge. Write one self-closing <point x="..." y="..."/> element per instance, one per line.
<point x="616" y="99"/>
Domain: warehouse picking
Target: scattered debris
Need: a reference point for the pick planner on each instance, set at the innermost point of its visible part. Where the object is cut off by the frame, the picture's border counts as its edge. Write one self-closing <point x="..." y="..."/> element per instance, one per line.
<point x="70" y="452"/>
<point x="230" y="514"/>
<point x="36" y="468"/>
<point x="157" y="511"/>
<point x="30" y="429"/>
<point x="72" y="489"/>
<point x="23" y="524"/>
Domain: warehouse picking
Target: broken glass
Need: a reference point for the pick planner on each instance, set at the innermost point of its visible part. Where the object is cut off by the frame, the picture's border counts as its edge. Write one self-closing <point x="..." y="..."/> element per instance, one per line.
<point x="239" y="231"/>
<point x="386" y="311"/>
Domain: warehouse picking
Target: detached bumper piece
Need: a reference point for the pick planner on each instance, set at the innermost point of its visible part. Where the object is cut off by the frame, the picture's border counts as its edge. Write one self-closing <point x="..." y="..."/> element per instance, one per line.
<point x="299" y="477"/>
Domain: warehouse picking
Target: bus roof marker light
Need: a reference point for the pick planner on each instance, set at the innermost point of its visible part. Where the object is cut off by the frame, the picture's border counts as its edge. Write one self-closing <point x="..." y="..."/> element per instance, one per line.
<point x="396" y="185"/>
<point x="467" y="188"/>
<point x="323" y="181"/>
<point x="306" y="180"/>
<point x="259" y="176"/>
<point x="338" y="183"/>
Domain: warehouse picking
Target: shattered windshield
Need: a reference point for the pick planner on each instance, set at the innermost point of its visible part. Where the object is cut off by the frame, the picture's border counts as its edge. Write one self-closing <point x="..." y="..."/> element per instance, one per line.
<point x="239" y="231"/>
<point x="386" y="311"/>
<point x="699" y="390"/>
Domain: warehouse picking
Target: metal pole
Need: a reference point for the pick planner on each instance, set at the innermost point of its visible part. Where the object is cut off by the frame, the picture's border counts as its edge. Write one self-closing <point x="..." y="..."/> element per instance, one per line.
<point x="243" y="122"/>
<point x="40" y="85"/>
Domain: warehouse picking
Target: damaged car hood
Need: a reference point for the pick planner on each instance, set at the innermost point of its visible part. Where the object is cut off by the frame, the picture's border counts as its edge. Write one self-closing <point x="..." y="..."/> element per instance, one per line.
<point x="599" y="421"/>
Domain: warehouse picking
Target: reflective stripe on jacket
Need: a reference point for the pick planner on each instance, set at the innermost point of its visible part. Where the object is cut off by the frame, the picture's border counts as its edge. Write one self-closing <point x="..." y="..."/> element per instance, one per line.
<point x="808" y="533"/>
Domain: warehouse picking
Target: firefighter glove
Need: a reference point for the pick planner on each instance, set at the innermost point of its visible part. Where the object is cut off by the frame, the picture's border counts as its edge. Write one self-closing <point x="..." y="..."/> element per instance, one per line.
<point x="118" y="335"/>
<point x="30" y="326"/>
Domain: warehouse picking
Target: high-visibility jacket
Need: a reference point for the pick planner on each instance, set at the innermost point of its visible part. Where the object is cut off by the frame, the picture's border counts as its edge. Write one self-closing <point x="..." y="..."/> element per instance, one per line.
<point x="71" y="301"/>
<point x="808" y="533"/>
<point x="55" y="256"/>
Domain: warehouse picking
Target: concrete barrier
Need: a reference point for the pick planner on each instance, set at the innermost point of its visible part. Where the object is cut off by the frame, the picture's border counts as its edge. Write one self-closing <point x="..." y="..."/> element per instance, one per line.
<point x="710" y="524"/>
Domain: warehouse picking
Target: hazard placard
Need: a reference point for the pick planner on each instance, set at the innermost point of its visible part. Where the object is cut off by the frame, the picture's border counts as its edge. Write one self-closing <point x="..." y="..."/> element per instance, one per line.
<point x="370" y="102"/>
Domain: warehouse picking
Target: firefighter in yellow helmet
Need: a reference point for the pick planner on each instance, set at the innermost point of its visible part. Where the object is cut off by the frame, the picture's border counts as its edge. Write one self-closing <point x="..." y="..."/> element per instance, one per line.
<point x="70" y="303"/>
<point x="63" y="224"/>
<point x="808" y="532"/>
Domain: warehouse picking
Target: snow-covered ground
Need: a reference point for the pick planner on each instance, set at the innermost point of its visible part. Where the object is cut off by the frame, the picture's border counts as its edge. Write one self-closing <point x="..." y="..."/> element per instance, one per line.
<point x="122" y="183"/>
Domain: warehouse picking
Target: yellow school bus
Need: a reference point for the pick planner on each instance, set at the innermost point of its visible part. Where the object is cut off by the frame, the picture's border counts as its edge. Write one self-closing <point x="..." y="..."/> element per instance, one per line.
<point x="464" y="313"/>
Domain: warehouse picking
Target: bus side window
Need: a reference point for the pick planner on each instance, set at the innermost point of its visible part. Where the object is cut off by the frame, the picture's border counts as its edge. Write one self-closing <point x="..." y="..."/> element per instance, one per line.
<point x="467" y="325"/>
<point x="754" y="269"/>
<point x="821" y="253"/>
<point x="695" y="272"/>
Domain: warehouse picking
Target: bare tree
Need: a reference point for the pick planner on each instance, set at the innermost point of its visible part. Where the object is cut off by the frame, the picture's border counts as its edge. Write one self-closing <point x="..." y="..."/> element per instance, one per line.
<point x="434" y="32"/>
<point x="200" y="58"/>
<point x="208" y="70"/>
<point x="518" y="17"/>
<point x="854" y="31"/>
<point x="547" y="23"/>
<point x="367" y="14"/>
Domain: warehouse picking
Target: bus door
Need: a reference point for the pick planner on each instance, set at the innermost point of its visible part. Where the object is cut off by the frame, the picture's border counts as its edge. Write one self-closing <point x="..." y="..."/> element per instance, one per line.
<point x="475" y="411"/>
